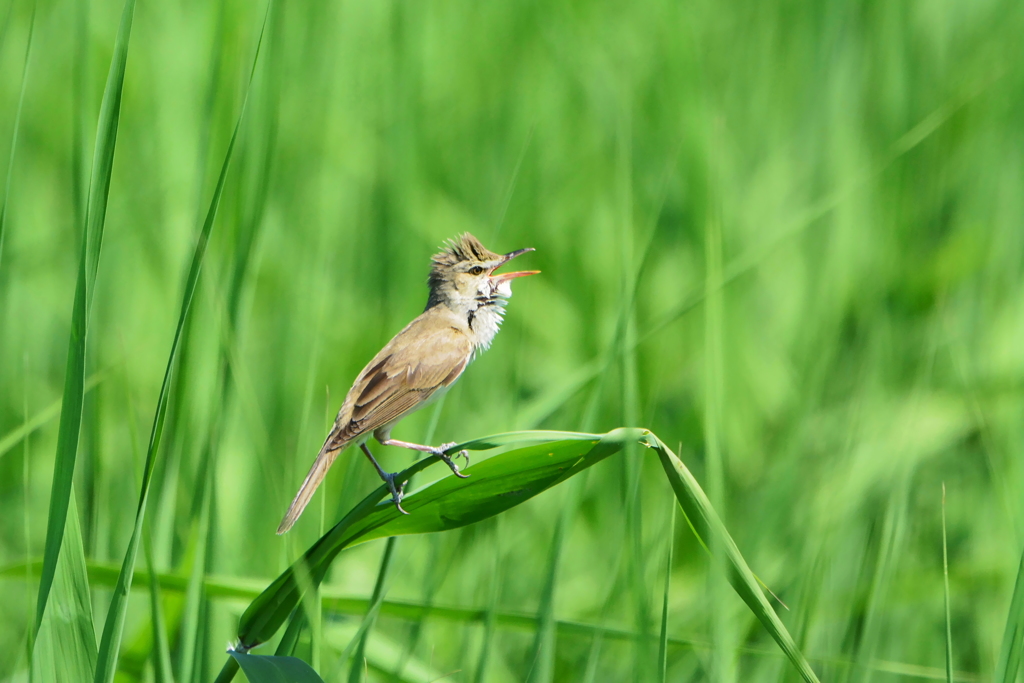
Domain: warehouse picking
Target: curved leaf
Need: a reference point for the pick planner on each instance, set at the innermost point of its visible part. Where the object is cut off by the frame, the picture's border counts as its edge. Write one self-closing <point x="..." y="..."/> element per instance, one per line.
<point x="264" y="669"/>
<point x="494" y="486"/>
<point x="707" y="525"/>
<point x="497" y="484"/>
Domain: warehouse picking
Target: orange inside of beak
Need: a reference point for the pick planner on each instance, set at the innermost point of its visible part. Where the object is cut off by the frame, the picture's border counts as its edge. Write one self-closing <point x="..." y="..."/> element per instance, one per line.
<point x="518" y="273"/>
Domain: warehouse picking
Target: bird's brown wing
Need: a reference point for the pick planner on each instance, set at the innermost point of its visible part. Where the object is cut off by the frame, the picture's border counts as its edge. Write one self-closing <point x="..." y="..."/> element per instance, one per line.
<point x="408" y="376"/>
<point x="430" y="353"/>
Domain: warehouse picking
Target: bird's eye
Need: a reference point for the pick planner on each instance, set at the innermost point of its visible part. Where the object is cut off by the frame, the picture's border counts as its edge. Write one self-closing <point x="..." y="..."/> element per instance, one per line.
<point x="476" y="270"/>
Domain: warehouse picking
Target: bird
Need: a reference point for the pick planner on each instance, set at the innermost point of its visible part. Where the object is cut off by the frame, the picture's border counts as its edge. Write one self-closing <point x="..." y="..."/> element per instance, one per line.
<point x="465" y="307"/>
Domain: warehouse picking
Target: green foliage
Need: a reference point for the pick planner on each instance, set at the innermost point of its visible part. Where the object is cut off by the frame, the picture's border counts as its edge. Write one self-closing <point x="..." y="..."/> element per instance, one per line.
<point x="785" y="236"/>
<point x="709" y="529"/>
<point x="64" y="648"/>
<point x="264" y="669"/>
<point x="70" y="619"/>
<point x="114" y="625"/>
<point x="1013" y="634"/>
<point x="495" y="485"/>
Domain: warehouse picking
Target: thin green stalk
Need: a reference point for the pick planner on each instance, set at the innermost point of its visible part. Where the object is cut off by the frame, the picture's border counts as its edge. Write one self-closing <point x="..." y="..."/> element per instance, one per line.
<point x="893" y="529"/>
<point x="286" y="647"/>
<point x="27" y="527"/>
<point x="309" y="610"/>
<point x="632" y="466"/>
<point x="593" y="658"/>
<point x="438" y="570"/>
<point x="491" y="610"/>
<point x="542" y="667"/>
<point x="79" y="114"/>
<point x="228" y="671"/>
<point x="723" y="660"/>
<point x="663" y="639"/>
<point x="6" y="24"/>
<point x="161" y="646"/>
<point x="316" y="632"/>
<point x="510" y="190"/>
<point x="195" y="589"/>
<point x="945" y="591"/>
<point x="17" y="124"/>
<point x="31" y="424"/>
<point x="356" y="673"/>
<point x="335" y="603"/>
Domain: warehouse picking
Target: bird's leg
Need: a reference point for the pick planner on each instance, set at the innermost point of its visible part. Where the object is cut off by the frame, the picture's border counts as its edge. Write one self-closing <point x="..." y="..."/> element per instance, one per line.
<point x="389" y="478"/>
<point x="438" y="451"/>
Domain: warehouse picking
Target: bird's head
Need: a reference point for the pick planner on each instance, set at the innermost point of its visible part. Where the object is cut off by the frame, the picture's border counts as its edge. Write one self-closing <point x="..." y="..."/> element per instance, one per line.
<point x="462" y="276"/>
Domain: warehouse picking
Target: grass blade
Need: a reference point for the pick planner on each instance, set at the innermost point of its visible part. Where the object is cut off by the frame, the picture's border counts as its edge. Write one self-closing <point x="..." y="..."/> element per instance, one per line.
<point x="74" y="378"/>
<point x="264" y="669"/>
<point x="27" y="522"/>
<point x="114" y="625"/>
<point x="1013" y="634"/>
<point x="355" y="674"/>
<point x="893" y="530"/>
<point x="65" y="649"/>
<point x="194" y="593"/>
<point x="706" y="524"/>
<point x="945" y="590"/>
<point x="17" y="125"/>
<point x="334" y="602"/>
<point x="723" y="659"/>
<point x="30" y="425"/>
<point x="663" y="639"/>
<point x="337" y="602"/>
<point x="228" y="671"/>
<point x="545" y="640"/>
<point x="161" y="648"/>
<point x="490" y="613"/>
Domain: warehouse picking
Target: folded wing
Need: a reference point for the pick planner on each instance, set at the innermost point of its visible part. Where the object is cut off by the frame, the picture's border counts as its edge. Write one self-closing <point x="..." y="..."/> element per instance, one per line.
<point x="427" y="355"/>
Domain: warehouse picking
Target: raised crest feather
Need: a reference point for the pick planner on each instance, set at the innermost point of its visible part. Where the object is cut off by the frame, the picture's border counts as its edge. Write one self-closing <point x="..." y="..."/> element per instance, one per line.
<point x="465" y="247"/>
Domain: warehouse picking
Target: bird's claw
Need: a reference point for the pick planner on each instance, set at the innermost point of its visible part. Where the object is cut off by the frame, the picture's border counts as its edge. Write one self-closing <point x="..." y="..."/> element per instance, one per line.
<point x="397" y="492"/>
<point x="447" y="459"/>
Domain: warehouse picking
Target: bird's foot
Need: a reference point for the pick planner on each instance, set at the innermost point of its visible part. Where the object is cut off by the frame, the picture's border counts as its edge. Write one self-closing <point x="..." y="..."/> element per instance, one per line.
<point x="397" y="492"/>
<point x="440" y="453"/>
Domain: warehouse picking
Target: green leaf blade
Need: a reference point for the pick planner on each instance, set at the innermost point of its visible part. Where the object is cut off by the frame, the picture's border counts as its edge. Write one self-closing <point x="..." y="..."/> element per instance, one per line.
<point x="114" y="625"/>
<point x="706" y="524"/>
<point x="1013" y="633"/>
<point x="74" y="381"/>
<point x="272" y="669"/>
<point x="494" y="485"/>
<point x="65" y="649"/>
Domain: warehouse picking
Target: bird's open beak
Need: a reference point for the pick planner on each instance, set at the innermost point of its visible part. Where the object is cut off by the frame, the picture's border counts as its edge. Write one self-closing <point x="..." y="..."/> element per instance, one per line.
<point x="519" y="273"/>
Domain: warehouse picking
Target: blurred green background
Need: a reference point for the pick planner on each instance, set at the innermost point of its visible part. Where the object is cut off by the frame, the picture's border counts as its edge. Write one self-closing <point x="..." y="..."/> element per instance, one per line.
<point x="784" y="236"/>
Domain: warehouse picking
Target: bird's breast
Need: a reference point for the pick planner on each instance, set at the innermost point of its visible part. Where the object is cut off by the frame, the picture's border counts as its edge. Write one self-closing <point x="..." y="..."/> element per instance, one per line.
<point x="485" y="322"/>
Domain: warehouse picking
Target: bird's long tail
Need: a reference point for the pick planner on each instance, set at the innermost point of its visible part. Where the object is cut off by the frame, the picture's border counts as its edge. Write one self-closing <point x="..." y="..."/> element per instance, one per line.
<point x="317" y="472"/>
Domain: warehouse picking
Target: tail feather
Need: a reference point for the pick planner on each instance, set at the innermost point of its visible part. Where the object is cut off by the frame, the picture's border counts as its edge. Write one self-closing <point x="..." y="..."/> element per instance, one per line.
<point x="316" y="475"/>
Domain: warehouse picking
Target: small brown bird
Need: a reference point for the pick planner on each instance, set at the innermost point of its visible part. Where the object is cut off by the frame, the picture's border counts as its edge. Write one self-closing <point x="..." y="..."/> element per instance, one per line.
<point x="464" y="311"/>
